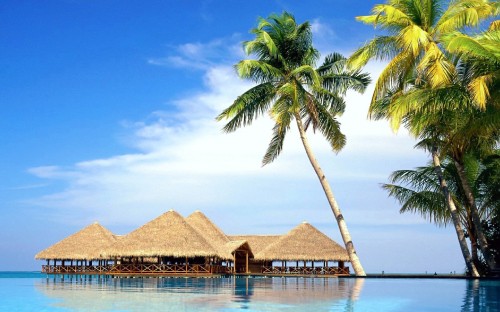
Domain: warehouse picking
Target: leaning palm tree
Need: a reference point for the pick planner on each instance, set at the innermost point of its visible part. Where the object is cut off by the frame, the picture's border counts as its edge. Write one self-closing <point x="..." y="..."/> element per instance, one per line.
<point x="457" y="130"/>
<point x="292" y="89"/>
<point x="418" y="191"/>
<point x="428" y="127"/>
<point x="415" y="48"/>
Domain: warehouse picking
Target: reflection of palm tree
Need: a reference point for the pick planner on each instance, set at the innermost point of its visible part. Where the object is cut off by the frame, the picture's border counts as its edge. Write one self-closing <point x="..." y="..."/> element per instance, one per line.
<point x="354" y="294"/>
<point x="471" y="301"/>
<point x="291" y="89"/>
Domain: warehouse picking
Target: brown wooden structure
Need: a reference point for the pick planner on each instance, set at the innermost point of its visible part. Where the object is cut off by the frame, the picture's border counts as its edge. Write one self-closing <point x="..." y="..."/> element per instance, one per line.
<point x="194" y="246"/>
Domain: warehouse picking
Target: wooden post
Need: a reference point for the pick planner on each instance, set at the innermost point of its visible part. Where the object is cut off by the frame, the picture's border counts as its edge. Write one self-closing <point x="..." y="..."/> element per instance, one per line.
<point x="186" y="264"/>
<point x="246" y="269"/>
<point x="234" y="262"/>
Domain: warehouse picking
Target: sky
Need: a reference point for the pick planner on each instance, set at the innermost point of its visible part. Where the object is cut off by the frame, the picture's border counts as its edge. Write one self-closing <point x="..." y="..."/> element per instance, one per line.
<point x="108" y="114"/>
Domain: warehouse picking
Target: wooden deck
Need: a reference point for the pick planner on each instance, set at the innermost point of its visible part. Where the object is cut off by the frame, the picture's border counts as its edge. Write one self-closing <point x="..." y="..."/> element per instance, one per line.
<point x="136" y="269"/>
<point x="278" y="270"/>
<point x="189" y="269"/>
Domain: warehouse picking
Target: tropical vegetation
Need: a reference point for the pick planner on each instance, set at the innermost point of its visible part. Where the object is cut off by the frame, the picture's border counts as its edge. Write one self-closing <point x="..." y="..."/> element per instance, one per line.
<point x="441" y="83"/>
<point x="418" y="191"/>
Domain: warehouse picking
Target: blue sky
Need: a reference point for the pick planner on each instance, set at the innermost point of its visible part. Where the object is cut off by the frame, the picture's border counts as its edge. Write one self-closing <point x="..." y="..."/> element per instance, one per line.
<point x="107" y="114"/>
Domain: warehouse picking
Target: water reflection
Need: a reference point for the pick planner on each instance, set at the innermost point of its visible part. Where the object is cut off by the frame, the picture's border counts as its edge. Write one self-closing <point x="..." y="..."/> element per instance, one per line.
<point x="481" y="296"/>
<point x="100" y="293"/>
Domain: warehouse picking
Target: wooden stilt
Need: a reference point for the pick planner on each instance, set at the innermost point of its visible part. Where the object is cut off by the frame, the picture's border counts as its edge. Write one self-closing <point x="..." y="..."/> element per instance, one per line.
<point x="246" y="269"/>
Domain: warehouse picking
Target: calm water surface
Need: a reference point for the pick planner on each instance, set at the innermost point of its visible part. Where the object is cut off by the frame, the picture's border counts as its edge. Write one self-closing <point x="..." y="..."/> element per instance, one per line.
<point x="37" y="292"/>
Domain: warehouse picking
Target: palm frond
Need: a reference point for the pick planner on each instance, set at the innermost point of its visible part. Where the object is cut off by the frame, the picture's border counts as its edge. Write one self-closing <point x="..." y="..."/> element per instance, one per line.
<point x="257" y="71"/>
<point x="248" y="106"/>
<point x="429" y="205"/>
<point x="276" y="145"/>
<point x="464" y="13"/>
<point x="435" y="67"/>
<point x="379" y="48"/>
<point x="330" y="128"/>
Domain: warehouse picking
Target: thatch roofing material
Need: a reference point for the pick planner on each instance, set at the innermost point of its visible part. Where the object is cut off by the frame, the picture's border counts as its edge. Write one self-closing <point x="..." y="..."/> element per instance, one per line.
<point x="256" y="242"/>
<point x="167" y="235"/>
<point x="213" y="234"/>
<point x="304" y="243"/>
<point x="83" y="245"/>
<point x="201" y="223"/>
<point x="232" y="246"/>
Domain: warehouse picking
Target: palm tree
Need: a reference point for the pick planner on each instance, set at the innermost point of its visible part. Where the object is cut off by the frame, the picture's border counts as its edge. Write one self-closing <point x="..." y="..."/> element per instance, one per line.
<point x="290" y="88"/>
<point x="428" y="126"/>
<point x="455" y="132"/>
<point x="418" y="61"/>
<point x="418" y="191"/>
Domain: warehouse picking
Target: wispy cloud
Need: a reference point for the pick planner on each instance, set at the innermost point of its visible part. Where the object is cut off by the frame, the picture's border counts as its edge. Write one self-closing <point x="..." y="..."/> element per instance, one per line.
<point x="322" y="30"/>
<point x="200" y="56"/>
<point x="28" y="187"/>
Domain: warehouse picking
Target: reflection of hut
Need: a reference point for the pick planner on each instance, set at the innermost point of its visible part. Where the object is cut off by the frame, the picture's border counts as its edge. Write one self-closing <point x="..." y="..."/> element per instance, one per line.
<point x="226" y="294"/>
<point x="171" y="244"/>
<point x="77" y="252"/>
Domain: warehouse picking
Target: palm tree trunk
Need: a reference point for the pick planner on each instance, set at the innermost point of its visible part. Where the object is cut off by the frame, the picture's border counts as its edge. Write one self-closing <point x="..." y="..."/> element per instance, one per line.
<point x="454" y="214"/>
<point x="476" y="220"/>
<point x="344" y="232"/>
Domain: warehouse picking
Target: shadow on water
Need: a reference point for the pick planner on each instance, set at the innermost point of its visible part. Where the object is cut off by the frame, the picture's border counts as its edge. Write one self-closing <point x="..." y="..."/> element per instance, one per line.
<point x="101" y="293"/>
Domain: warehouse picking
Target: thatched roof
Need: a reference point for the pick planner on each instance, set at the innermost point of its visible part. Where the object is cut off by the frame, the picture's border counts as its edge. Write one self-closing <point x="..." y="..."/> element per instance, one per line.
<point x="304" y="243"/>
<point x="230" y="247"/>
<point x="83" y="245"/>
<point x="167" y="235"/>
<point x="201" y="223"/>
<point x="256" y="242"/>
<point x="213" y="234"/>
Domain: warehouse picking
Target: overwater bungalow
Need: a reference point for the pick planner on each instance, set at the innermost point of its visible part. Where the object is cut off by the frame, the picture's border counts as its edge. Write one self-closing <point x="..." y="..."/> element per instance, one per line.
<point x="173" y="245"/>
<point x="80" y="252"/>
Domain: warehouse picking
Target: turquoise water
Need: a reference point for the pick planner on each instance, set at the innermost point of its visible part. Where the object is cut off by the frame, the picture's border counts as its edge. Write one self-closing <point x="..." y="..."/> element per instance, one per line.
<point x="39" y="292"/>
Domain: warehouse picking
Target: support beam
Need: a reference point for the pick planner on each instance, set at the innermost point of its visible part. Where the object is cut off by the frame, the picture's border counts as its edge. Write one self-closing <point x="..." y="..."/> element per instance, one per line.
<point x="246" y="269"/>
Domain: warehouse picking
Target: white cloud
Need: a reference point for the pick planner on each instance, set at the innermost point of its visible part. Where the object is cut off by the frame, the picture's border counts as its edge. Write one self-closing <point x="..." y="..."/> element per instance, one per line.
<point x="322" y="30"/>
<point x="200" y="56"/>
<point x="185" y="161"/>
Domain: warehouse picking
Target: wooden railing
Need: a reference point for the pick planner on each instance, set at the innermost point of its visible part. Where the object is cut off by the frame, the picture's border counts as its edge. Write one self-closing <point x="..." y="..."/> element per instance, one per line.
<point x="305" y="270"/>
<point x="75" y="269"/>
<point x="131" y="268"/>
<point x="136" y="269"/>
